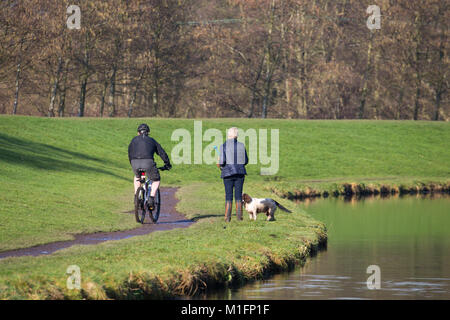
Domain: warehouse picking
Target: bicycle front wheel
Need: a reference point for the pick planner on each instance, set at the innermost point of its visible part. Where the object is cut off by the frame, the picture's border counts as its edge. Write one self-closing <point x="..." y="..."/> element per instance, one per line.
<point x="139" y="207"/>
<point x="154" y="215"/>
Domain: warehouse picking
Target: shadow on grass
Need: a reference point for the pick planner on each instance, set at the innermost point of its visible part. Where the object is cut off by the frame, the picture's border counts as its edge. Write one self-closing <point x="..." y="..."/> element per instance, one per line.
<point x="206" y="216"/>
<point x="46" y="157"/>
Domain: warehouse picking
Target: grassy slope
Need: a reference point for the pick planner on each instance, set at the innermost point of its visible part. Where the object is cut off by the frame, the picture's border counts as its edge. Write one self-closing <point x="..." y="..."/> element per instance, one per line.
<point x="176" y="262"/>
<point x="65" y="176"/>
<point x="78" y="180"/>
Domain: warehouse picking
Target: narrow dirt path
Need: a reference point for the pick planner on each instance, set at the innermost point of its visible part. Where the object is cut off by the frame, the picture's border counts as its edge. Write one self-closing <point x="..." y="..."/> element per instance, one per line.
<point x="169" y="219"/>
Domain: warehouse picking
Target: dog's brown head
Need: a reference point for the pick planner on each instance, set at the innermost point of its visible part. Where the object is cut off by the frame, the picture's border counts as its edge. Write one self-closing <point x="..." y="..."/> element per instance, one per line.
<point x="246" y="198"/>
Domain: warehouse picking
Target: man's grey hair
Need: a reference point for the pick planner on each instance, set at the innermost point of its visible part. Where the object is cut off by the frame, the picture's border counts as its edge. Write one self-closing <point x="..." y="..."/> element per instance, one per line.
<point x="232" y="133"/>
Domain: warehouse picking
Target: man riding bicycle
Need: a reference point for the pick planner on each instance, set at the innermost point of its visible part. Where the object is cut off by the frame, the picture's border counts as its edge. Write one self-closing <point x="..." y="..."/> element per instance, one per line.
<point x="140" y="153"/>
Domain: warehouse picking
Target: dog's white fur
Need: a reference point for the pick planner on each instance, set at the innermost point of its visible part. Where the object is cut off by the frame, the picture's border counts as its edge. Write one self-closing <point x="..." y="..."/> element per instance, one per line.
<point x="257" y="205"/>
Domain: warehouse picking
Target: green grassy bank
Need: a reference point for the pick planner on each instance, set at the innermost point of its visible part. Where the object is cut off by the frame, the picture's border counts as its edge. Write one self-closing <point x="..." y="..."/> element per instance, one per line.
<point x="65" y="176"/>
<point x="209" y="254"/>
<point x="60" y="177"/>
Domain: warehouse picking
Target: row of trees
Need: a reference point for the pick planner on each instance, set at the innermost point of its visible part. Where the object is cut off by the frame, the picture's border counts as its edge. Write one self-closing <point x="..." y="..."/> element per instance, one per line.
<point x="225" y="58"/>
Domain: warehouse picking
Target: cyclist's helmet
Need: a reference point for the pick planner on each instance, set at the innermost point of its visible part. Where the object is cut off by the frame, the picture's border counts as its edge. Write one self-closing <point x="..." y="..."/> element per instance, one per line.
<point x="143" y="129"/>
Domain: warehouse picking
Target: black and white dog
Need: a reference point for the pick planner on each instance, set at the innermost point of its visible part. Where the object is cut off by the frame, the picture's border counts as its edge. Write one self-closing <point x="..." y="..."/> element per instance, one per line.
<point x="266" y="205"/>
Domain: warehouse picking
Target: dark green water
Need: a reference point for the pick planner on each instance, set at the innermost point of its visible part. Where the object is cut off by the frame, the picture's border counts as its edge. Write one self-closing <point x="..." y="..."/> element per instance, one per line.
<point x="408" y="238"/>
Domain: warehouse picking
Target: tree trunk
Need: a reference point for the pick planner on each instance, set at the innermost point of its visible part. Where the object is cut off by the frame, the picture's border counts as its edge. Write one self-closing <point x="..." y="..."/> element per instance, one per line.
<point x="17" y="88"/>
<point x="155" y="98"/>
<point x="82" y="96"/>
<point x="417" y="102"/>
<point x="418" y="38"/>
<point x="267" y="93"/>
<point x="269" y="67"/>
<point x="301" y="58"/>
<point x="362" y="103"/>
<point x="255" y="88"/>
<point x="17" y="83"/>
<point x="304" y="88"/>
<point x="51" y="109"/>
<point x="84" y="79"/>
<point x="62" y="103"/>
<point x="438" y="106"/>
<point x="133" y="98"/>
<point x="439" y="86"/>
<point x="264" y="104"/>
<point x="112" y="93"/>
<point x="400" y="104"/>
<point x="62" y="93"/>
<point x="103" y="98"/>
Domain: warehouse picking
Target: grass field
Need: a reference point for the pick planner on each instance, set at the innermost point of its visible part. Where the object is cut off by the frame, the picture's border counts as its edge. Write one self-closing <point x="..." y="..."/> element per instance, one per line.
<point x="60" y="177"/>
<point x="162" y="264"/>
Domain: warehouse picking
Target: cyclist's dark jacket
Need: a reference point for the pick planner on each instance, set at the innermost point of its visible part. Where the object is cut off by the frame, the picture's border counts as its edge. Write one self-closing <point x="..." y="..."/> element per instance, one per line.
<point x="144" y="147"/>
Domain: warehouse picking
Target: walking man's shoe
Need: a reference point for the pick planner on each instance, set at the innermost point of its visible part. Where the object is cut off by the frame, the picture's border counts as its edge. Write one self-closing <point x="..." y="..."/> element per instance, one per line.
<point x="228" y="211"/>
<point x="239" y="210"/>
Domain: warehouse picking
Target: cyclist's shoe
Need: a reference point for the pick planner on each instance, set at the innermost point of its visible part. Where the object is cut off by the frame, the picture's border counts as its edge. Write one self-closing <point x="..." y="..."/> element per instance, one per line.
<point x="151" y="203"/>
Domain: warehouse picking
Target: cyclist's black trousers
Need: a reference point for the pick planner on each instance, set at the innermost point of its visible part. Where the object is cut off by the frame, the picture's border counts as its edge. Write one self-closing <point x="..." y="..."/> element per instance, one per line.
<point x="149" y="166"/>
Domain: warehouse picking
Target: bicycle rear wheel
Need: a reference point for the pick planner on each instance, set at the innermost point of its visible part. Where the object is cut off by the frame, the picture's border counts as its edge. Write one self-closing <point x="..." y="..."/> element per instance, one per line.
<point x="139" y="207"/>
<point x="154" y="215"/>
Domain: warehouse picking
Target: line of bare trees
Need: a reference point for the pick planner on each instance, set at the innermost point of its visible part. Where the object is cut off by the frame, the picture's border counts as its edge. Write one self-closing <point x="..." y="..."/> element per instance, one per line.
<point x="313" y="59"/>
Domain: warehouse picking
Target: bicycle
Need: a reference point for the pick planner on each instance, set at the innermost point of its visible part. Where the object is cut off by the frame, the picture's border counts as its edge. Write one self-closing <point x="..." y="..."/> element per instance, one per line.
<point x="142" y="197"/>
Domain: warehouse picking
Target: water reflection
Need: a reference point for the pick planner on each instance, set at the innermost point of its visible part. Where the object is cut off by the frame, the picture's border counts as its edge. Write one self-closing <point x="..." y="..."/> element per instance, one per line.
<point x="354" y="199"/>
